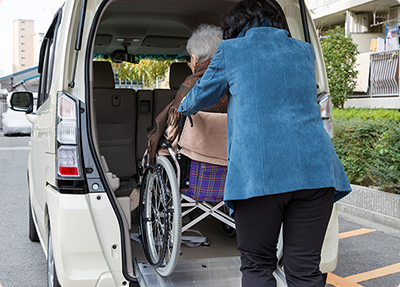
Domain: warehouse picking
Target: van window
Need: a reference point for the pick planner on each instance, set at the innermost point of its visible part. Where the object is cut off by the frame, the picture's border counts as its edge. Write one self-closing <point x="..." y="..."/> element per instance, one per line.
<point x="46" y="60"/>
<point x="152" y="71"/>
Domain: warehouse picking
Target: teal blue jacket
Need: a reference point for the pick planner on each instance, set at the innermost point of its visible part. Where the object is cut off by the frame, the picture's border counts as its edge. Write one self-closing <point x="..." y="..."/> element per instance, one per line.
<point x="276" y="139"/>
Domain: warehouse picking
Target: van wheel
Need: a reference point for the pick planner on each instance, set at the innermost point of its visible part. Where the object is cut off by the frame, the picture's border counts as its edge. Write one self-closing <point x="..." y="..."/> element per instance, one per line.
<point x="33" y="236"/>
<point x="52" y="280"/>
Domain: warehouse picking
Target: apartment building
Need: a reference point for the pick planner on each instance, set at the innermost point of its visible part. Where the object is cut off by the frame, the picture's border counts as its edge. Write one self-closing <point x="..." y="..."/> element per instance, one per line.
<point x="26" y="45"/>
<point x="374" y="26"/>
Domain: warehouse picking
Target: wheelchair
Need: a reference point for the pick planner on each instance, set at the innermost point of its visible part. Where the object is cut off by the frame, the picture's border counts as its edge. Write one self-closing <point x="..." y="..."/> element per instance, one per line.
<point x="163" y="203"/>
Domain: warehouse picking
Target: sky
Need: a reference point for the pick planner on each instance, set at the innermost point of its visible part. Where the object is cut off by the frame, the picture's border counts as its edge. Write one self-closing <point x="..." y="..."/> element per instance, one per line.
<point x="42" y="11"/>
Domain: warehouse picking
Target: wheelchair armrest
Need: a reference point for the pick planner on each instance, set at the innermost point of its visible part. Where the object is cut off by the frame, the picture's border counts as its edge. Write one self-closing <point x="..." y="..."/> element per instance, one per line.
<point x="164" y="143"/>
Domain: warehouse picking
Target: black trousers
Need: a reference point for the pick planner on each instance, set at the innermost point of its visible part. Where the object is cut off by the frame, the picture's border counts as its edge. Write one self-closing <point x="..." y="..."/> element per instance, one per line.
<point x="305" y="215"/>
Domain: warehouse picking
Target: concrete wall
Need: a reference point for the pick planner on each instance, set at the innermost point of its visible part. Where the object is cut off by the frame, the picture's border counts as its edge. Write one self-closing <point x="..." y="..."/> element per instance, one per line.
<point x="386" y="102"/>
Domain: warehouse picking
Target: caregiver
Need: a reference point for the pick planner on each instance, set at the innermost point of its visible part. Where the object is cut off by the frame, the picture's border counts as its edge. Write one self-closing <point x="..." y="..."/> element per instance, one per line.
<point x="282" y="166"/>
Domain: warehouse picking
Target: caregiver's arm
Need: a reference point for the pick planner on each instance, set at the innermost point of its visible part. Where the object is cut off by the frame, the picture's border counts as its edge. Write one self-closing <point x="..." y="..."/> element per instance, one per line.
<point x="209" y="89"/>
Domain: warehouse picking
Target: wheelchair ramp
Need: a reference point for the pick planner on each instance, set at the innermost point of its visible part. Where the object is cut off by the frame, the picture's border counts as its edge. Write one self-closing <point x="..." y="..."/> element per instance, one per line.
<point x="212" y="272"/>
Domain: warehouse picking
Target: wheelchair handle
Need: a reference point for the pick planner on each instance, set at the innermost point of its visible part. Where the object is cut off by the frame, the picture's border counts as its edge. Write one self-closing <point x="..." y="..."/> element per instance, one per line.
<point x="190" y="121"/>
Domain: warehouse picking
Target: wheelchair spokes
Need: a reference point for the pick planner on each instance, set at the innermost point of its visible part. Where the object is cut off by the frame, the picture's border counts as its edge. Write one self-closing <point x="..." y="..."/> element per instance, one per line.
<point x="160" y="216"/>
<point x="154" y="223"/>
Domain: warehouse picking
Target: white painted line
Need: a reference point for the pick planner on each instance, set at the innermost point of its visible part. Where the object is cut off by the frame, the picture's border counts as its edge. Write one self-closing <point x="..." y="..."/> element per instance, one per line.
<point x="16" y="148"/>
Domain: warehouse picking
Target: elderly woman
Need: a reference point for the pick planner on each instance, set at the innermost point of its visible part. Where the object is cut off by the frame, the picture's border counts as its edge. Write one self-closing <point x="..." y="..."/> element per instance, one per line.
<point x="282" y="166"/>
<point x="201" y="46"/>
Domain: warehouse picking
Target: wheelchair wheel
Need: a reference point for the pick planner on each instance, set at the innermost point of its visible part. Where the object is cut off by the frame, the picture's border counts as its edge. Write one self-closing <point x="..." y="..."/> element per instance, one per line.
<point x="153" y="222"/>
<point x="160" y="216"/>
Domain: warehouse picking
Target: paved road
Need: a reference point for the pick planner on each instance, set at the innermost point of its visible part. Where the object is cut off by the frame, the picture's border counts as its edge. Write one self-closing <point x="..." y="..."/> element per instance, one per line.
<point x="22" y="262"/>
<point x="369" y="255"/>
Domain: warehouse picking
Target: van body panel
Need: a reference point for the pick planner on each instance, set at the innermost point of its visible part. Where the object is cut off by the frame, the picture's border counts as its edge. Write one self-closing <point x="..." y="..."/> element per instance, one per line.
<point x="109" y="233"/>
<point x="42" y="154"/>
<point x="77" y="250"/>
<point x="90" y="232"/>
<point x="68" y="53"/>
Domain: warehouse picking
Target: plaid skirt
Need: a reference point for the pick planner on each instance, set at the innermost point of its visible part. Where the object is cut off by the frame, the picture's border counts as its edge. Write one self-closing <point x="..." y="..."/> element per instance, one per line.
<point x="206" y="182"/>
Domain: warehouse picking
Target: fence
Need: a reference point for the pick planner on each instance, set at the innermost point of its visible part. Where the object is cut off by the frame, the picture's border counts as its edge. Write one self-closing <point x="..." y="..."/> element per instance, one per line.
<point x="384" y="78"/>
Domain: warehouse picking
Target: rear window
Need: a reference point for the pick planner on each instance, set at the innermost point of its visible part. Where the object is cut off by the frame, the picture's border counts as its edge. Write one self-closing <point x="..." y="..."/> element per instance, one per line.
<point x="152" y="71"/>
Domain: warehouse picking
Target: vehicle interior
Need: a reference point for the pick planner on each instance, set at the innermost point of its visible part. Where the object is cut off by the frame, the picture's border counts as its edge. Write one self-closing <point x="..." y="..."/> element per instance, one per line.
<point x="133" y="30"/>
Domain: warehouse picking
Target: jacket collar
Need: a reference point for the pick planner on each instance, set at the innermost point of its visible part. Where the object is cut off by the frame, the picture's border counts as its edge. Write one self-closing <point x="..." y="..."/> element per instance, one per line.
<point x="243" y="32"/>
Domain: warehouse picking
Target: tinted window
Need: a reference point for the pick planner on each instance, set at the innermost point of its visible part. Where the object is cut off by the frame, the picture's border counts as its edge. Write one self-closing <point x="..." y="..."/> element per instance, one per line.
<point x="46" y="59"/>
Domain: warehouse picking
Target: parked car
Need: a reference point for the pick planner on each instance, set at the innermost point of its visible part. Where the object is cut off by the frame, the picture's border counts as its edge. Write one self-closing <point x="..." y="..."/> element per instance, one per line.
<point x="88" y="139"/>
<point x="15" y="123"/>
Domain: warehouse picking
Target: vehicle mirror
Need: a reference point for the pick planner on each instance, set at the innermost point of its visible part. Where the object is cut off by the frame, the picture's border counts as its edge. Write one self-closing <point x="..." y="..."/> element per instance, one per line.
<point x="21" y="101"/>
<point x="120" y="56"/>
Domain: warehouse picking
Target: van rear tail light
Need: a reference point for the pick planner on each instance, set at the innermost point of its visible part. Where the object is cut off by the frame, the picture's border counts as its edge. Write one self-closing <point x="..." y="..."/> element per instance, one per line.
<point x="66" y="108"/>
<point x="67" y="137"/>
<point x="66" y="128"/>
<point x="67" y="158"/>
<point x="66" y="132"/>
<point x="325" y="105"/>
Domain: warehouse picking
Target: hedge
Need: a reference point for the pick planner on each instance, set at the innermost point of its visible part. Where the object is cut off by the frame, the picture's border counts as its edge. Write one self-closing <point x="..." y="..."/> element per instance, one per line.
<point x="367" y="142"/>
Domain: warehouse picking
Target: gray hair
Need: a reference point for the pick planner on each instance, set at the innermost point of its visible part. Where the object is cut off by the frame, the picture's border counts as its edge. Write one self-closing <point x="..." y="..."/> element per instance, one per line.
<point x="204" y="42"/>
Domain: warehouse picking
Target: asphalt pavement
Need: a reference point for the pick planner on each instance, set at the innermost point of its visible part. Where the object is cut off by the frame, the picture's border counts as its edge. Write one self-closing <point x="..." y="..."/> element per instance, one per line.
<point x="369" y="254"/>
<point x="22" y="262"/>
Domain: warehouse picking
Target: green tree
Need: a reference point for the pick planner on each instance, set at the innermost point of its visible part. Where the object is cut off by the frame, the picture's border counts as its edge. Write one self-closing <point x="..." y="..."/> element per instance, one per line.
<point x="340" y="54"/>
<point x="147" y="71"/>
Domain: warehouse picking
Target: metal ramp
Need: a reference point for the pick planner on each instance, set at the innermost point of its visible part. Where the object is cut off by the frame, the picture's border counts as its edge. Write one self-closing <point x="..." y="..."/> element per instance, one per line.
<point x="209" y="272"/>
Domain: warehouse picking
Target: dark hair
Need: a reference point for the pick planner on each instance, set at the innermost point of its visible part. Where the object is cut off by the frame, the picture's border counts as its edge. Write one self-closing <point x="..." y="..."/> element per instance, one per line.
<point x="253" y="12"/>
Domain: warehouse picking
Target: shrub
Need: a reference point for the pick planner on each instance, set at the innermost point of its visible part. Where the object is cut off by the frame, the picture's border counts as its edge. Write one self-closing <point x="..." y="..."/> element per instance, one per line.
<point x="354" y="142"/>
<point x="386" y="159"/>
<point x="367" y="141"/>
<point x="365" y="114"/>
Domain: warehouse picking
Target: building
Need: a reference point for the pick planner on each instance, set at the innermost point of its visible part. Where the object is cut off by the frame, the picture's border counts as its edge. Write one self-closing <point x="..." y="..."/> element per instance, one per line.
<point x="374" y="26"/>
<point x="26" y="45"/>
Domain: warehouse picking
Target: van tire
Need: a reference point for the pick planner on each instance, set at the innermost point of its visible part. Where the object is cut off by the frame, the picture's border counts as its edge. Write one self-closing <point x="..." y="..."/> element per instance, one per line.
<point x="52" y="280"/>
<point x="33" y="235"/>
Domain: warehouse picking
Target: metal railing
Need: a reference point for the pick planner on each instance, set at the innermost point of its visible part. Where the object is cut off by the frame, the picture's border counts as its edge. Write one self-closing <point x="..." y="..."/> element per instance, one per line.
<point x="384" y="77"/>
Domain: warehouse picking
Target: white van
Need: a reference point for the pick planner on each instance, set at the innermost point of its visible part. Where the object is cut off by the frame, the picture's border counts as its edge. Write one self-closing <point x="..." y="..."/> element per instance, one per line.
<point x="88" y="138"/>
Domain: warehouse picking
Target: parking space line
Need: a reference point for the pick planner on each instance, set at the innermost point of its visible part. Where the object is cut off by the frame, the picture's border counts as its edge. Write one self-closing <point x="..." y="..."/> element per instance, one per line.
<point x="355" y="232"/>
<point x="353" y="280"/>
<point x="338" y="281"/>
<point x="380" y="272"/>
<point x="16" y="148"/>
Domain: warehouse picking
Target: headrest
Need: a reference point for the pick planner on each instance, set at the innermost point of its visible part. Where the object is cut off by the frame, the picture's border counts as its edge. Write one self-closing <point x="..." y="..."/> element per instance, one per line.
<point x="177" y="74"/>
<point x="103" y="75"/>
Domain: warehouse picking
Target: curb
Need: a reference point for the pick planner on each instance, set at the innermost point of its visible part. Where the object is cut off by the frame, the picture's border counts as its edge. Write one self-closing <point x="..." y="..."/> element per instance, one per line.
<point x="373" y="205"/>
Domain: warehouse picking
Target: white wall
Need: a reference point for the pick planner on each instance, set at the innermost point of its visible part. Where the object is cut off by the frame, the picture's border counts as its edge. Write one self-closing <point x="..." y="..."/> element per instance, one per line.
<point x="387" y="103"/>
<point x="363" y="40"/>
<point x="323" y="8"/>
